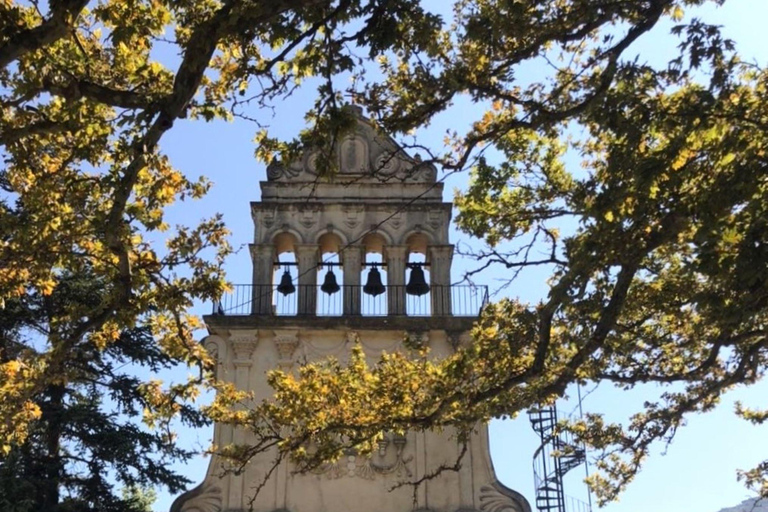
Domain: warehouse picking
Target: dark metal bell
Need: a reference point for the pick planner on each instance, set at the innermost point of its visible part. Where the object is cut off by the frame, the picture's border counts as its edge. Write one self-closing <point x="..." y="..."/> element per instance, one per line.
<point x="329" y="283"/>
<point x="417" y="285"/>
<point x="286" y="286"/>
<point x="374" y="286"/>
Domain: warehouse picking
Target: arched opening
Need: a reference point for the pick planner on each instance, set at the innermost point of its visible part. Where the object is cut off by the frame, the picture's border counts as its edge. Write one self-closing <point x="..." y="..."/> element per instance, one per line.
<point x="285" y="276"/>
<point x="417" y="243"/>
<point x="374" y="243"/>
<point x="374" y="276"/>
<point x="330" y="292"/>
<point x="418" y="296"/>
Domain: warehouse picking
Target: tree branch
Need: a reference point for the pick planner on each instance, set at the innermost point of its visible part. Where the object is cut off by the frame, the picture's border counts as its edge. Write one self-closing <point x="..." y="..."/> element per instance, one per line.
<point x="63" y="15"/>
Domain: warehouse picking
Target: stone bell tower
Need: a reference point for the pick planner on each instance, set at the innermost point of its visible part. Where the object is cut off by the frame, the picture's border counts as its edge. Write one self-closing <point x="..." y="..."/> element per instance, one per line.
<point x="362" y="256"/>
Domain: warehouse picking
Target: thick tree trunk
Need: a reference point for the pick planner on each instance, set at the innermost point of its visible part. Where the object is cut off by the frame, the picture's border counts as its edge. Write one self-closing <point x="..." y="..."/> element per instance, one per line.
<point x="52" y="470"/>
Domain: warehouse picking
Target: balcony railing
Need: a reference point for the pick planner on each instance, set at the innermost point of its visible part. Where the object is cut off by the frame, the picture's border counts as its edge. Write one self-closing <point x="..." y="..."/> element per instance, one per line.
<point x="456" y="300"/>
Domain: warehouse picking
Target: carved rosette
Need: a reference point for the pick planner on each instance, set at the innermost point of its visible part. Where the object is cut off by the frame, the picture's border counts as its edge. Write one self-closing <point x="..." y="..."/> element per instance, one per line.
<point x="243" y="344"/>
<point x="286" y="343"/>
<point x="387" y="163"/>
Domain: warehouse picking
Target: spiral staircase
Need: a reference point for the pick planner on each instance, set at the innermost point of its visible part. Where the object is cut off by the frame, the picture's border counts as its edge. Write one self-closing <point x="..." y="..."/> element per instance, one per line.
<point x="558" y="454"/>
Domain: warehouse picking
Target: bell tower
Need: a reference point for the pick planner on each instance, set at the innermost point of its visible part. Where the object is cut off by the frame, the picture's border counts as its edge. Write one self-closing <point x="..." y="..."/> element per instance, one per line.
<point x="364" y="256"/>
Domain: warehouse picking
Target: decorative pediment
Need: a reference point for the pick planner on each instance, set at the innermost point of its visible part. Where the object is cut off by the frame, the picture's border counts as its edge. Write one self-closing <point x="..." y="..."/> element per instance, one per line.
<point x="366" y="155"/>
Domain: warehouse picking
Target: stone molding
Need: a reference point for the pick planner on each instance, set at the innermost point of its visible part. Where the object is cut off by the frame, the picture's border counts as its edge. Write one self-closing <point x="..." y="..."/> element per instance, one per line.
<point x="306" y="222"/>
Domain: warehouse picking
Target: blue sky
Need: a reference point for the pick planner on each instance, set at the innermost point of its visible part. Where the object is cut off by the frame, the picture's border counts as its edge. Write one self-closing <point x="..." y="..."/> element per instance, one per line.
<point x="697" y="472"/>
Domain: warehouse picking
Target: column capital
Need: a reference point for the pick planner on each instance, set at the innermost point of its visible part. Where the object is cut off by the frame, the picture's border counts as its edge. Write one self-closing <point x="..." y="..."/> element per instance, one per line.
<point x="353" y="251"/>
<point x="304" y="250"/>
<point x="243" y="344"/>
<point x="441" y="251"/>
<point x="286" y="342"/>
<point x="395" y="251"/>
<point x="262" y="251"/>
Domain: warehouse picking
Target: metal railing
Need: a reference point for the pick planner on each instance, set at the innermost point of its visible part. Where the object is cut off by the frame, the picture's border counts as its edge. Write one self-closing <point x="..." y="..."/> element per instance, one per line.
<point x="456" y="300"/>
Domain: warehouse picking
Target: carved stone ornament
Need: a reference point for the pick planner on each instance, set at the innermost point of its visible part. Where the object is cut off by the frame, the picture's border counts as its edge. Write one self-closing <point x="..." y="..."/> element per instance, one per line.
<point x="388" y="459"/>
<point x="396" y="220"/>
<point x="459" y="339"/>
<point x="243" y="344"/>
<point x="353" y="215"/>
<point x="277" y="170"/>
<point x="309" y="215"/>
<point x="311" y="165"/>
<point x="206" y="497"/>
<point x="351" y="337"/>
<point x="354" y="155"/>
<point x="494" y="497"/>
<point x="268" y="218"/>
<point x="387" y="164"/>
<point x="212" y="348"/>
<point x="435" y="218"/>
<point x="416" y="340"/>
<point x="286" y="343"/>
<point x="427" y="172"/>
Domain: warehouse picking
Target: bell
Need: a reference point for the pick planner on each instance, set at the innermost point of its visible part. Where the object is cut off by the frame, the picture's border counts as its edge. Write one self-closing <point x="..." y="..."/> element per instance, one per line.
<point x="329" y="284"/>
<point x="286" y="286"/>
<point x="373" y="286"/>
<point x="417" y="285"/>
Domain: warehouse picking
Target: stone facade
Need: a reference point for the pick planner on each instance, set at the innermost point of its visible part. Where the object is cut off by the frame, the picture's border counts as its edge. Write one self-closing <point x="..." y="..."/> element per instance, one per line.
<point x="382" y="201"/>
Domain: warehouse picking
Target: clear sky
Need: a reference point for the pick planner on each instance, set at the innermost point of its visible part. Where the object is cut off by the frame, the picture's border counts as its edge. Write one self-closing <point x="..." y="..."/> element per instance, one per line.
<point x="697" y="472"/>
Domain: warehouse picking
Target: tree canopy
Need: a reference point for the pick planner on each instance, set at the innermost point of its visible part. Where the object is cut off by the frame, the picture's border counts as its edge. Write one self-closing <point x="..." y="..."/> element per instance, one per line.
<point x="657" y="245"/>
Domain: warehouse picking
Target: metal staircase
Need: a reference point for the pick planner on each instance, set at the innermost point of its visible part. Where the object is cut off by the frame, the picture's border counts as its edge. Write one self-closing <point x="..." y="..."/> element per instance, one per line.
<point x="556" y="456"/>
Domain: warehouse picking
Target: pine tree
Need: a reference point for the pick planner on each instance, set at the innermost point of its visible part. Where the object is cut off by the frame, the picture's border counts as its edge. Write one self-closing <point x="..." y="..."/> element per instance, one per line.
<point x="89" y="441"/>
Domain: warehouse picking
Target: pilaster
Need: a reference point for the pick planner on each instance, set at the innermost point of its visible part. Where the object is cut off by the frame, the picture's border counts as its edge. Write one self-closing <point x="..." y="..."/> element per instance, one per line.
<point x="243" y="343"/>
<point x="263" y="257"/>
<point x="352" y="261"/>
<point x="307" y="258"/>
<point x="395" y="256"/>
<point x="440" y="258"/>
